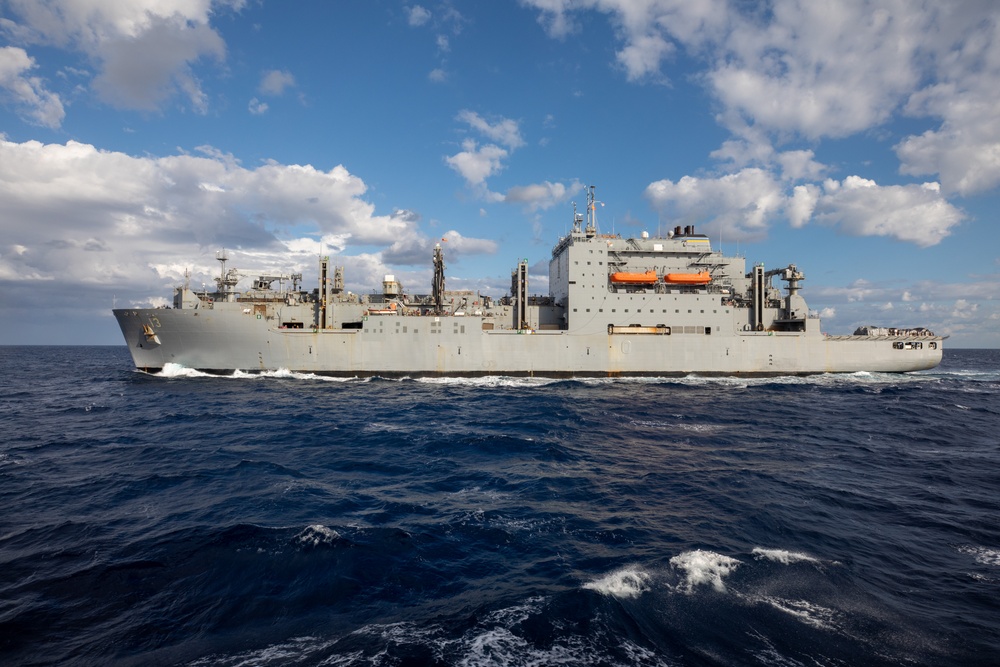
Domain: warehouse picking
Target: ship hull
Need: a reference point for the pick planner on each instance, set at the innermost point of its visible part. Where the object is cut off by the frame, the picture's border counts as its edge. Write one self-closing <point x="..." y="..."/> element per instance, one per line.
<point x="393" y="346"/>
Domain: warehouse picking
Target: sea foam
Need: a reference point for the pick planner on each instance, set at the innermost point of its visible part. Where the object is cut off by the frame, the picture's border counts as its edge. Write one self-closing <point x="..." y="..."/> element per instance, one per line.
<point x="627" y="582"/>
<point x="316" y="535"/>
<point x="172" y="370"/>
<point x="983" y="555"/>
<point x="782" y="556"/>
<point x="704" y="567"/>
<point x="807" y="612"/>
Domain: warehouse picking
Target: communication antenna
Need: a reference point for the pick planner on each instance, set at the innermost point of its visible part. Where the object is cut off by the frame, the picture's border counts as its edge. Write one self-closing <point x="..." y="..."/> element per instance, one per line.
<point x="592" y="211"/>
<point x="226" y="281"/>
<point x="223" y="258"/>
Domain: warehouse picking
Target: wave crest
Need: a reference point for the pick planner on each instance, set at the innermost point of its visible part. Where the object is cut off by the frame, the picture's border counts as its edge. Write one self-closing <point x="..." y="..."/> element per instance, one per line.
<point x="317" y="535"/>
<point x="704" y="567"/>
<point x="627" y="582"/>
<point x="782" y="556"/>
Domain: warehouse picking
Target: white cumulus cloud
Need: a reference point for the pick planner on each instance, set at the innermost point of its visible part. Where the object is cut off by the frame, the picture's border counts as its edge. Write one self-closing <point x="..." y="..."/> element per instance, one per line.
<point x="145" y="50"/>
<point x="477" y="163"/>
<point x="275" y="82"/>
<point x="503" y="130"/>
<point x="417" y="15"/>
<point x="257" y="107"/>
<point x="861" y="207"/>
<point x="743" y="204"/>
<point x="746" y="204"/>
<point x="818" y="70"/>
<point x="542" y="196"/>
<point x="28" y="93"/>
<point x="83" y="216"/>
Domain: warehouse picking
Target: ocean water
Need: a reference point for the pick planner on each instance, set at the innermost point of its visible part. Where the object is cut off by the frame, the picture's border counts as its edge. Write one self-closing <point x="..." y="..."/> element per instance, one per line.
<point x="288" y="519"/>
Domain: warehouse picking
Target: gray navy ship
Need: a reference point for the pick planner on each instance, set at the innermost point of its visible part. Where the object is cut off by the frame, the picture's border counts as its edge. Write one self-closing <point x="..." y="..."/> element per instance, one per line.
<point x="648" y="306"/>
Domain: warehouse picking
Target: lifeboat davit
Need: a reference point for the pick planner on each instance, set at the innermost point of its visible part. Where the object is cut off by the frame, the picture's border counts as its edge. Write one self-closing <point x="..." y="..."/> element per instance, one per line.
<point x="700" y="278"/>
<point x="624" y="277"/>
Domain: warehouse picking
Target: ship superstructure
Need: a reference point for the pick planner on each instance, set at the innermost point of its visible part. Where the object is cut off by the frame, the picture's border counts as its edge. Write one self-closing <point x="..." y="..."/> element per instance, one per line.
<point x="616" y="306"/>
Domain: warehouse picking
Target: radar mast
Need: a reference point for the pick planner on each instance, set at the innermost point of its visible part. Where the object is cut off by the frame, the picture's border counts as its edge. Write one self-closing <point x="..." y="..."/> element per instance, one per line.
<point x="437" y="287"/>
<point x="227" y="280"/>
<point x="592" y="211"/>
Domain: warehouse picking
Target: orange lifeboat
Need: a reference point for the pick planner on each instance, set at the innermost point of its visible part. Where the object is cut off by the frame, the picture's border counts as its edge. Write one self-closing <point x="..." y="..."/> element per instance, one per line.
<point x="701" y="278"/>
<point x="624" y="277"/>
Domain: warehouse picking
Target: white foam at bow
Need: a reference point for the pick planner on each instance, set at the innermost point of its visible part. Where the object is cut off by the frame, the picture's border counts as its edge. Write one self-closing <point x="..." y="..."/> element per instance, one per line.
<point x="172" y="370"/>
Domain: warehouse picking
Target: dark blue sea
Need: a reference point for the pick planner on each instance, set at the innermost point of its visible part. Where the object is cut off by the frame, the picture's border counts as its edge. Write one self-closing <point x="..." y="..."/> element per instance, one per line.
<point x="289" y="519"/>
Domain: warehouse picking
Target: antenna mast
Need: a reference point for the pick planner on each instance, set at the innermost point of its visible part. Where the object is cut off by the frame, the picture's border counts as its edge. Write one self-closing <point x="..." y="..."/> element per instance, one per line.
<point x="437" y="287"/>
<point x="591" y="212"/>
<point x="227" y="280"/>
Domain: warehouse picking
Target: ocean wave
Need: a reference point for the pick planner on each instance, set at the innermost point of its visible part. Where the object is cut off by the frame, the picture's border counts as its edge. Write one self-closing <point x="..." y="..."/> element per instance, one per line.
<point x="499" y="638"/>
<point x="982" y="555"/>
<point x="679" y="425"/>
<point x="782" y="556"/>
<point x="704" y="568"/>
<point x="273" y="519"/>
<point x="807" y="612"/>
<point x="7" y="460"/>
<point x="629" y="582"/>
<point x="298" y="650"/>
<point x="317" y="535"/>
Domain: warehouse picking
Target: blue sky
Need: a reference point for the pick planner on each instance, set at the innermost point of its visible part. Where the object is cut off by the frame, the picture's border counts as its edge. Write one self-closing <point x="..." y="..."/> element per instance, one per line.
<point x="858" y="140"/>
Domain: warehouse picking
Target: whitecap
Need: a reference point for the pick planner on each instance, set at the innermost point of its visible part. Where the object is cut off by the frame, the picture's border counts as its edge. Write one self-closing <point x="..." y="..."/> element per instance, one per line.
<point x="317" y="534"/>
<point x="627" y="582"/>
<point x="704" y="567"/>
<point x="782" y="556"/>
<point x="983" y="555"/>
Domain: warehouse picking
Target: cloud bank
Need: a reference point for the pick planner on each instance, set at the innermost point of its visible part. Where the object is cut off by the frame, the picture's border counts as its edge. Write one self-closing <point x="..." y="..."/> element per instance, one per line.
<point x="107" y="218"/>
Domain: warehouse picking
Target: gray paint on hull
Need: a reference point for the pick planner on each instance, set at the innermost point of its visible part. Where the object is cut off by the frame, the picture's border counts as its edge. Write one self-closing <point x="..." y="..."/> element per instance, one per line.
<point x="222" y="341"/>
